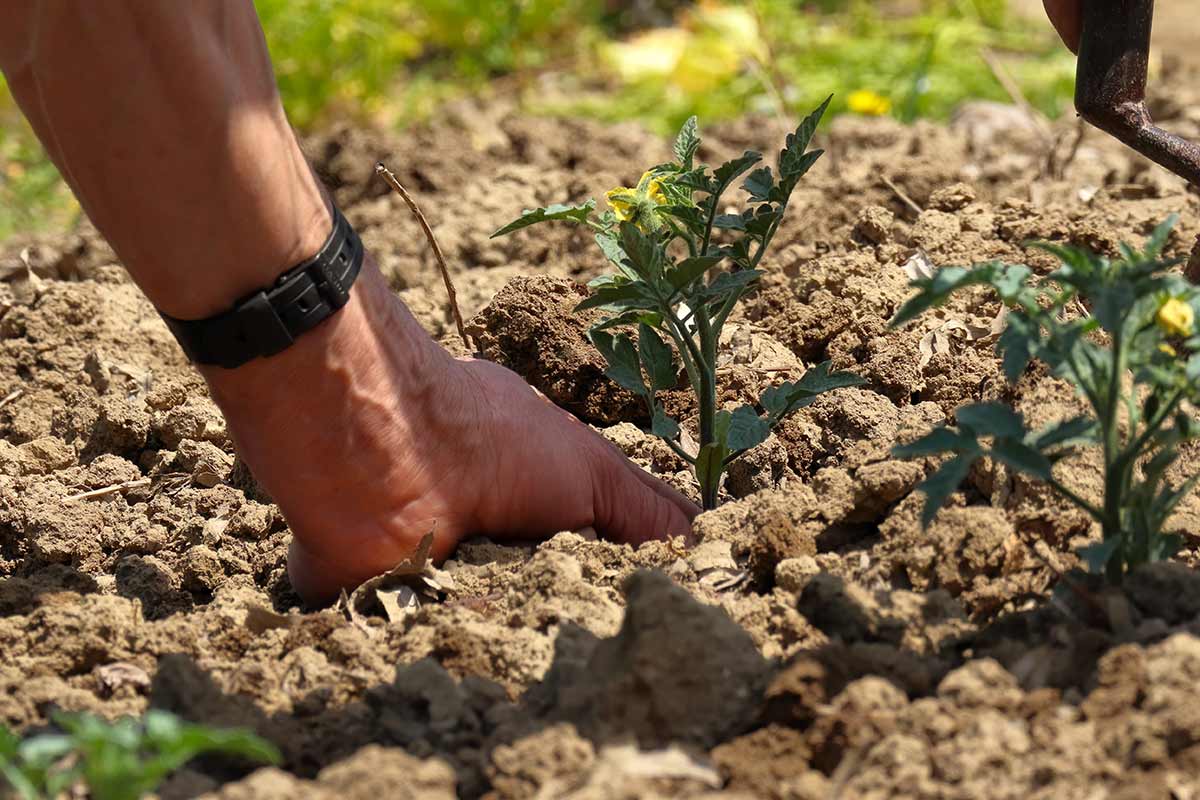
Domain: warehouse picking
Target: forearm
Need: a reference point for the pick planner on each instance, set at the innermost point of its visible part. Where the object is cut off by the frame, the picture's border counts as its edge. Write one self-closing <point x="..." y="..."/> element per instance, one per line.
<point x="165" y="119"/>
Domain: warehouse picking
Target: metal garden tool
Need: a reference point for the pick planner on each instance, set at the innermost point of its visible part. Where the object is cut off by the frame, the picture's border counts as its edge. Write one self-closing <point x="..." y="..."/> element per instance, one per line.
<point x="1110" y="89"/>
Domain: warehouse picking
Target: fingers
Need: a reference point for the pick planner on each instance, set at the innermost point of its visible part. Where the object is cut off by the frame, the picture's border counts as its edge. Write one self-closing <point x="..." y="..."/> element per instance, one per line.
<point x="1067" y="18"/>
<point x="633" y="507"/>
<point x="667" y="491"/>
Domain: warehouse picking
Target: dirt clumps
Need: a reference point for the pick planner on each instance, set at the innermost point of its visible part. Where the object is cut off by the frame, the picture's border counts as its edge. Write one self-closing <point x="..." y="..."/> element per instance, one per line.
<point x="814" y="640"/>
<point x="530" y="328"/>
<point x="633" y="685"/>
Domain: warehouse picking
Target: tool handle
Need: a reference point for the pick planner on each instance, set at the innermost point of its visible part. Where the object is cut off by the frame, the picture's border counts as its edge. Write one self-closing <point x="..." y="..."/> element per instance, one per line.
<point x="1110" y="85"/>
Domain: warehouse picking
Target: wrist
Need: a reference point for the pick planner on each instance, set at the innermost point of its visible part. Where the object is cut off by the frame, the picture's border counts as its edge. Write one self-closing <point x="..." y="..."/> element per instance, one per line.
<point x="371" y="346"/>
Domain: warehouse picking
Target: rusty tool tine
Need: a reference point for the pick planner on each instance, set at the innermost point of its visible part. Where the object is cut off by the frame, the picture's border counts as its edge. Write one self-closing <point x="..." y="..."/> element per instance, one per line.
<point x="1110" y="88"/>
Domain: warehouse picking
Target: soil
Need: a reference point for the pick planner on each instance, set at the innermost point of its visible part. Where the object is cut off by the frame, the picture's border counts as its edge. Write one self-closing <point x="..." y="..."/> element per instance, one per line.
<point x="814" y="643"/>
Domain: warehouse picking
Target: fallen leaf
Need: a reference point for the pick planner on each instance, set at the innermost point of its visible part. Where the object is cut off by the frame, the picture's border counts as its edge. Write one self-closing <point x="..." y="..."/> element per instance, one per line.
<point x="920" y="266"/>
<point x="260" y="619"/>
<point x="397" y="603"/>
<point x="672" y="762"/>
<point x="113" y="676"/>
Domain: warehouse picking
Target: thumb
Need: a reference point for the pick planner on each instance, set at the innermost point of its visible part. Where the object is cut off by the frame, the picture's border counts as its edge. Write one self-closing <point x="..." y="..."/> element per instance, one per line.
<point x="632" y="506"/>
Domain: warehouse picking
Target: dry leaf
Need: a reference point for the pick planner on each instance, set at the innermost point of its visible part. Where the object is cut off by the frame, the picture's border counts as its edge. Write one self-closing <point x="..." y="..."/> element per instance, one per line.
<point x="402" y="589"/>
<point x="712" y="554"/>
<point x="397" y="603"/>
<point x="673" y="762"/>
<point x="113" y="676"/>
<point x="920" y="266"/>
<point x="713" y="563"/>
<point x="260" y="619"/>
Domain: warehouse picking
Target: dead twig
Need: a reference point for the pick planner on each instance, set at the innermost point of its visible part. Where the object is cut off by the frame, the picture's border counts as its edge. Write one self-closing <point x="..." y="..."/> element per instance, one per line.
<point x="11" y="396"/>
<point x="1057" y="168"/>
<point x="904" y="198"/>
<point x="1018" y="97"/>
<point x="107" y="490"/>
<point x="392" y="181"/>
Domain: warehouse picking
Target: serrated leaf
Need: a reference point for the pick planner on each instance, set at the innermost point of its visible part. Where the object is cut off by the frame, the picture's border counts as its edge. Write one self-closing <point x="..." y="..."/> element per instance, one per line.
<point x="687" y="143"/>
<point x="1016" y="344"/>
<point x="729" y="222"/>
<point x="781" y="400"/>
<point x="1081" y="429"/>
<point x="797" y="142"/>
<point x="644" y="252"/>
<point x="727" y="173"/>
<point x="759" y="183"/>
<point x="1009" y="279"/>
<point x="798" y="170"/>
<point x="747" y="429"/>
<point x="730" y="281"/>
<point x="635" y="294"/>
<point x="622" y="358"/>
<point x="938" y="440"/>
<point x="657" y="358"/>
<point x="1021" y="456"/>
<point x="690" y="216"/>
<point x="690" y="269"/>
<point x="611" y="247"/>
<point x="943" y="483"/>
<point x="991" y="419"/>
<point x="761" y="224"/>
<point x="1158" y="239"/>
<point x="663" y="426"/>
<point x="1111" y="305"/>
<point x="935" y="291"/>
<point x="559" y="211"/>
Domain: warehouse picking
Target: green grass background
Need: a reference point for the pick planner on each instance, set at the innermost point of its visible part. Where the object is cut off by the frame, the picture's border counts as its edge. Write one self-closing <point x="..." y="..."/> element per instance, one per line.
<point x="393" y="62"/>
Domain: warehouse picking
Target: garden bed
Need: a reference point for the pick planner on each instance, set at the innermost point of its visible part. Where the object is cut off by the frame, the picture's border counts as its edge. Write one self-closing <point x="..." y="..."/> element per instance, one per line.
<point x="816" y="643"/>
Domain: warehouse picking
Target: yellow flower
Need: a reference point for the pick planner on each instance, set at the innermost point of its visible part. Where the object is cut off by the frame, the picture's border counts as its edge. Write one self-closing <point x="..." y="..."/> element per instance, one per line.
<point x="1167" y="349"/>
<point x="1175" y="317"/>
<point x="637" y="205"/>
<point x="864" y="101"/>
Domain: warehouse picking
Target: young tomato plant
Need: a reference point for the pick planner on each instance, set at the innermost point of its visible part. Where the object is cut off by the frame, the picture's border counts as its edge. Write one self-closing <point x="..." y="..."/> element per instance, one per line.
<point x="667" y="239"/>
<point x="1136" y="361"/>
<point x="121" y="760"/>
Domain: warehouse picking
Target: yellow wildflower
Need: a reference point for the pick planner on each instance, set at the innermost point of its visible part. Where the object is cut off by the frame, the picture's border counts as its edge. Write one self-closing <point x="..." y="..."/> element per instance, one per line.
<point x="1175" y="317"/>
<point x="864" y="101"/>
<point x="637" y="204"/>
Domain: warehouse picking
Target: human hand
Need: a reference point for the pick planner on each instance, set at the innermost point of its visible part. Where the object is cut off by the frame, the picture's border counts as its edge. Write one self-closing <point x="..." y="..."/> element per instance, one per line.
<point x="369" y="436"/>
<point x="1067" y="17"/>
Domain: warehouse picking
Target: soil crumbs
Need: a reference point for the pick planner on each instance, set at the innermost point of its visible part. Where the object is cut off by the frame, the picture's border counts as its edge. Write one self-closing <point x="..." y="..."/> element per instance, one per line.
<point x="815" y="643"/>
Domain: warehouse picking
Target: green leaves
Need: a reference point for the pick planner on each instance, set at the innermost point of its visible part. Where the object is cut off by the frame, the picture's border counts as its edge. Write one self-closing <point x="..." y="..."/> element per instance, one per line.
<point x="657" y="359"/>
<point x="121" y="760"/>
<point x="747" y="429"/>
<point x="1058" y="320"/>
<point x="942" y="484"/>
<point x="570" y="213"/>
<point x="622" y="359"/>
<point x="663" y="251"/>
<point x="687" y="143"/>
<point x="690" y="269"/>
<point x="782" y="400"/>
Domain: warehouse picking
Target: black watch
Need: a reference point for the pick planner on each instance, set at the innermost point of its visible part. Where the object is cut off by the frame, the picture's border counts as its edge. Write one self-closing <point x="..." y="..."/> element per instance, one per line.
<point x="268" y="321"/>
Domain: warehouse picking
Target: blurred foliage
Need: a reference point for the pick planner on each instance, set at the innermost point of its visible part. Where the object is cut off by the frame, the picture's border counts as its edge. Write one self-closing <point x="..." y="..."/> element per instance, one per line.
<point x="390" y="62"/>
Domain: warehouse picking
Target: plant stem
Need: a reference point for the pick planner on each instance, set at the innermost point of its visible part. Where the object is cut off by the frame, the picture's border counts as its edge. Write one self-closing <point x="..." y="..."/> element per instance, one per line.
<point x="1114" y="469"/>
<point x="708" y="405"/>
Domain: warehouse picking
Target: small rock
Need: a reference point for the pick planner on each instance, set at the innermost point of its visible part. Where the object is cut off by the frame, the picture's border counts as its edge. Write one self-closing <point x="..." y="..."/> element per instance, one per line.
<point x="793" y="574"/>
<point x="955" y="197"/>
<point x="874" y="224"/>
<point x="201" y="569"/>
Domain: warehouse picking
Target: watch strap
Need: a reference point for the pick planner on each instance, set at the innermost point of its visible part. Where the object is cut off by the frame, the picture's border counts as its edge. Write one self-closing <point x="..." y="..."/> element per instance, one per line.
<point x="269" y="321"/>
